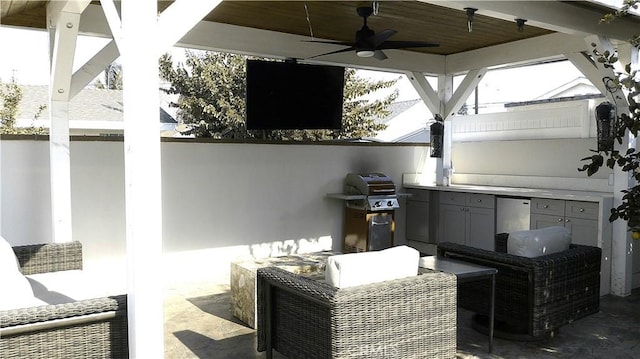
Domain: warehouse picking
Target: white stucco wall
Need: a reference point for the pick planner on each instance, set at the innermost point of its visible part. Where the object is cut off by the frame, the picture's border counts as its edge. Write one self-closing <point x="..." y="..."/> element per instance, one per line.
<point x="221" y="201"/>
<point x="225" y="201"/>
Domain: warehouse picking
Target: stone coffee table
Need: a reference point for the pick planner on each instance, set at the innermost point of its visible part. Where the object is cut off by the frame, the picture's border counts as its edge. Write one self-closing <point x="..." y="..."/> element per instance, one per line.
<point x="243" y="279"/>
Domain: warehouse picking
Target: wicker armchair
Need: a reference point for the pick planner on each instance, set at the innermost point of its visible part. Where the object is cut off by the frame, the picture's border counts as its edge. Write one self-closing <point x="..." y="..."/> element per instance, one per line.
<point x="534" y="296"/>
<point x="406" y="318"/>
<point x="94" y="328"/>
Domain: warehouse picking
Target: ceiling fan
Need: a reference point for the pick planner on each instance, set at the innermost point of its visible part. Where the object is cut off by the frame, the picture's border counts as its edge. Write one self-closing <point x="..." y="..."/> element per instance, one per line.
<point x="370" y="44"/>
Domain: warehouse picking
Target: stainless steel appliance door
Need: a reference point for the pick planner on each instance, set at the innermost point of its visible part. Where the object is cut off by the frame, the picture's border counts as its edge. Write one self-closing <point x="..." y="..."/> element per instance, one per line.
<point x="512" y="214"/>
<point x="380" y="231"/>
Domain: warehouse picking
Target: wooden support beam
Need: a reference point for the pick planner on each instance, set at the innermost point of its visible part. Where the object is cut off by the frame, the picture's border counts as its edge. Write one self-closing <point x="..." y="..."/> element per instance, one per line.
<point x="463" y="91"/>
<point x="428" y="95"/>
<point x="92" y="68"/>
<point x="583" y="62"/>
<point x="180" y="18"/>
<point x="113" y="19"/>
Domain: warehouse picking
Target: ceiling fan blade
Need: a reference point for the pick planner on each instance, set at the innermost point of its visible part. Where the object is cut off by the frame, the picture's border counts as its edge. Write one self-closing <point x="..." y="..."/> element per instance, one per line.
<point x="380" y="37"/>
<point x="335" y="52"/>
<point x="405" y="44"/>
<point x="378" y="54"/>
<point x="342" y="43"/>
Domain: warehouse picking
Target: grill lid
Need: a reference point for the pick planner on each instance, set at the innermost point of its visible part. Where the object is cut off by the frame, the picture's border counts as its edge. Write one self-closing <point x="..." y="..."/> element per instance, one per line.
<point x="380" y="191"/>
<point x="370" y="184"/>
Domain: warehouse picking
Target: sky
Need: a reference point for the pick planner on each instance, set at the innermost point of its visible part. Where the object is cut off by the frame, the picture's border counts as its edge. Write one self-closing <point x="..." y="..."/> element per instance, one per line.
<point x="29" y="66"/>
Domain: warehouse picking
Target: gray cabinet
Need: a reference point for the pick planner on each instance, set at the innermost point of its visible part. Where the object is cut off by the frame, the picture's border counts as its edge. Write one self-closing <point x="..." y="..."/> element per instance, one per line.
<point x="581" y="218"/>
<point x="418" y="215"/>
<point x="467" y="218"/>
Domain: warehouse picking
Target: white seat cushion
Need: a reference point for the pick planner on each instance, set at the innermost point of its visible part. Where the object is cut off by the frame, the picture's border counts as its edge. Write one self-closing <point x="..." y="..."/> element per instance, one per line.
<point x="353" y="269"/>
<point x="539" y="242"/>
<point x="73" y="285"/>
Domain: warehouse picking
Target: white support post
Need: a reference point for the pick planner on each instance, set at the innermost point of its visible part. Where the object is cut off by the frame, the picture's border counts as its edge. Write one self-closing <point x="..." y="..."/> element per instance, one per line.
<point x="622" y="245"/>
<point x="1" y="162"/>
<point x="143" y="195"/>
<point x="63" y="18"/>
<point x="444" y="167"/>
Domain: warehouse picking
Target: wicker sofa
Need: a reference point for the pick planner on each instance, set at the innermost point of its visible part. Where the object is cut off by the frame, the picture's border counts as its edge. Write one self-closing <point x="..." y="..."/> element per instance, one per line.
<point x="534" y="297"/>
<point x="413" y="317"/>
<point x="93" y="328"/>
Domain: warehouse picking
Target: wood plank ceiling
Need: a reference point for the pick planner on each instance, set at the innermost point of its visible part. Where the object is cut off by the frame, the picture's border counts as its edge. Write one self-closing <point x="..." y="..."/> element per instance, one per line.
<point x="335" y="20"/>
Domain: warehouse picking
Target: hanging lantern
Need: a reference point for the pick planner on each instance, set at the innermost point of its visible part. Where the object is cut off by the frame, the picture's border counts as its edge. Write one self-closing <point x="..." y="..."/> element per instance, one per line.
<point x="436" y="134"/>
<point x="605" y="123"/>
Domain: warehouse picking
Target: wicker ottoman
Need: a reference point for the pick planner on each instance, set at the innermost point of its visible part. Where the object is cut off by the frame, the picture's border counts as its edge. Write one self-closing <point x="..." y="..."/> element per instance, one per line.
<point x="243" y="279"/>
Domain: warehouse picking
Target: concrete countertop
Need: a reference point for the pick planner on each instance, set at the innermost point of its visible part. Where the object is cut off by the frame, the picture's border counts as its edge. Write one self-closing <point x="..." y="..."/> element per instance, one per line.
<point x="517" y="192"/>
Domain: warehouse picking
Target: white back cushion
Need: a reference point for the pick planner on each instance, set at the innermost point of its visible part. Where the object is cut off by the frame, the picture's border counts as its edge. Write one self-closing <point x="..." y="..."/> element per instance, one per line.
<point x="15" y="291"/>
<point x="539" y="242"/>
<point x="353" y="269"/>
<point x="8" y="260"/>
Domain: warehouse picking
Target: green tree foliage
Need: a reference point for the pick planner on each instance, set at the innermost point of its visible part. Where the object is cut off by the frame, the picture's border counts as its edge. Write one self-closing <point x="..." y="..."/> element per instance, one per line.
<point x="211" y="89"/>
<point x="10" y="97"/>
<point x="627" y="122"/>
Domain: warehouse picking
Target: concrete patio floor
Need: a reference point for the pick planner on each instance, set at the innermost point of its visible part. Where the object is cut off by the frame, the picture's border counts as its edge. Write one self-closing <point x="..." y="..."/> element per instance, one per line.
<point x="199" y="324"/>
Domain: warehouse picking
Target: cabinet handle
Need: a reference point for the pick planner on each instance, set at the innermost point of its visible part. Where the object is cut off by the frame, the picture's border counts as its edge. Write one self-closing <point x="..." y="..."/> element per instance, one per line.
<point x="479" y="201"/>
<point x="545" y="206"/>
<point x="567" y="220"/>
<point x="560" y="220"/>
<point x="581" y="210"/>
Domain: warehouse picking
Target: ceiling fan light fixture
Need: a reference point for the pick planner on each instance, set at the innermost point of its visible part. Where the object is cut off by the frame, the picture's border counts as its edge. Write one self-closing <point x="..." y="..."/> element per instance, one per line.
<point x="365" y="53"/>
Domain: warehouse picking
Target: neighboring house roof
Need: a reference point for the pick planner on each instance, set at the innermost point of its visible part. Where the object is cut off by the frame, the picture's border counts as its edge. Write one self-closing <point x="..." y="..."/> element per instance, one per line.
<point x="406" y="118"/>
<point x="576" y="87"/>
<point x="397" y="108"/>
<point x="92" y="108"/>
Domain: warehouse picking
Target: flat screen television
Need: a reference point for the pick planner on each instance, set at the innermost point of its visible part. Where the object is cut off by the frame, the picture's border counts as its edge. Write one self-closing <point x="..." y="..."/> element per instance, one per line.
<point x="293" y="96"/>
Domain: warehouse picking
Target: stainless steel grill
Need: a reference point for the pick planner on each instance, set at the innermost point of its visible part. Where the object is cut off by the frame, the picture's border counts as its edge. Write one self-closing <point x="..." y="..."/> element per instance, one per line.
<point x="378" y="190"/>
<point x="369" y="223"/>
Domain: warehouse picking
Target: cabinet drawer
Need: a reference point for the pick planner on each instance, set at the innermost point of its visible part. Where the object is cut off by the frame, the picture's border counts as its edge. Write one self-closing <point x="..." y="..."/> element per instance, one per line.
<point x="586" y="210"/>
<point x="458" y="198"/>
<point x="420" y="195"/>
<point x="481" y="200"/>
<point x="547" y="206"/>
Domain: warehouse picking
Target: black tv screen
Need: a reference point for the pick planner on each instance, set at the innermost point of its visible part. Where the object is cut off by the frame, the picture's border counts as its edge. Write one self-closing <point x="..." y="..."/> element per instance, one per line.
<point x="290" y="96"/>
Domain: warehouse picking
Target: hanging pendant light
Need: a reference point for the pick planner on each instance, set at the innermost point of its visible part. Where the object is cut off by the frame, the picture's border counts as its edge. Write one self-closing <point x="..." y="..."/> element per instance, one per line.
<point x="520" y="23"/>
<point x="470" y="12"/>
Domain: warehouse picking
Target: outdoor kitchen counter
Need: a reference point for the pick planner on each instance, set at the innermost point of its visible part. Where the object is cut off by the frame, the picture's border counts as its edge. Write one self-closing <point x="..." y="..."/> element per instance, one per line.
<point x="517" y="192"/>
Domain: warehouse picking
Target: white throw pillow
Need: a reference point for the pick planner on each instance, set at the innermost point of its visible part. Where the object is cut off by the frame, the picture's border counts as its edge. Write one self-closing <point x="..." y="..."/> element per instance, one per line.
<point x="353" y="269"/>
<point x="8" y="260"/>
<point x="539" y="242"/>
<point x="15" y="290"/>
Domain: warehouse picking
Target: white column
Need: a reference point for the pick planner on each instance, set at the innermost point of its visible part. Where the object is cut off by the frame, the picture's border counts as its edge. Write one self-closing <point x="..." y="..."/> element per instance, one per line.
<point x="63" y="19"/>
<point x="443" y="165"/>
<point x="1" y="161"/>
<point x="60" y="167"/>
<point x="143" y="202"/>
<point x="622" y="244"/>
